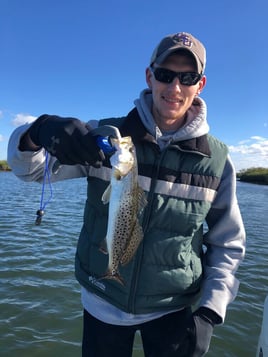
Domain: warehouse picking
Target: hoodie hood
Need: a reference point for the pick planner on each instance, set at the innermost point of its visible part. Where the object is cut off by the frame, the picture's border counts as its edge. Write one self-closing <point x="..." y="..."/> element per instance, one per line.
<point x="196" y="124"/>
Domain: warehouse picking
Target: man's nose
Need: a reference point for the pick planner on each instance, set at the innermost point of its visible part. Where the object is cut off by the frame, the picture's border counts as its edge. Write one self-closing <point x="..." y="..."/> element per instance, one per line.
<point x="176" y="84"/>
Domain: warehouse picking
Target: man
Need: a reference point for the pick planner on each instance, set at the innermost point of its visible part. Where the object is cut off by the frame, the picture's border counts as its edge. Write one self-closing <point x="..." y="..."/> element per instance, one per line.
<point x="188" y="179"/>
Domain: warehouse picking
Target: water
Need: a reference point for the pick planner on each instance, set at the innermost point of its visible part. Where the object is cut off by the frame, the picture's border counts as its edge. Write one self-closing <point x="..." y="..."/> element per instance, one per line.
<point x="40" y="308"/>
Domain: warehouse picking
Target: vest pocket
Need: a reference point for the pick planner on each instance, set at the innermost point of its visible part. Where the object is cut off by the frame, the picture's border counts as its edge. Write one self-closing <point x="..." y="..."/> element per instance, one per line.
<point x="90" y="245"/>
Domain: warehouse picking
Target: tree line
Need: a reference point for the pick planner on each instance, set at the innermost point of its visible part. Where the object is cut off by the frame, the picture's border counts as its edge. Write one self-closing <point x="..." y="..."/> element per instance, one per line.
<point x="4" y="166"/>
<point x="257" y="175"/>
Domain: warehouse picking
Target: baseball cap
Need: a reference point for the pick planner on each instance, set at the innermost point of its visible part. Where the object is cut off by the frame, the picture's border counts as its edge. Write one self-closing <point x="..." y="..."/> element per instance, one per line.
<point x="178" y="41"/>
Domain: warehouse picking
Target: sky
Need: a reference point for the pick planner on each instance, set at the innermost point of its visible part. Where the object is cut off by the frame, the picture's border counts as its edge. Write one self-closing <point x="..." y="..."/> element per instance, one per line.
<point x="87" y="59"/>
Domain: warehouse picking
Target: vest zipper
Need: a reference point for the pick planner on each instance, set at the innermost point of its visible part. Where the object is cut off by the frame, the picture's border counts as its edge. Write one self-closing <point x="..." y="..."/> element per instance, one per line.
<point x="146" y="218"/>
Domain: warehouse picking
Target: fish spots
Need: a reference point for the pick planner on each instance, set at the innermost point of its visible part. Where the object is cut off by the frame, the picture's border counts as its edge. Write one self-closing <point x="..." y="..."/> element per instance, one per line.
<point x="126" y="201"/>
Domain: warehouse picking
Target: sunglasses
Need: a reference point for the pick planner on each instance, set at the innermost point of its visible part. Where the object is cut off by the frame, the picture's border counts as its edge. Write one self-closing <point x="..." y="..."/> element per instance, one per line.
<point x="167" y="76"/>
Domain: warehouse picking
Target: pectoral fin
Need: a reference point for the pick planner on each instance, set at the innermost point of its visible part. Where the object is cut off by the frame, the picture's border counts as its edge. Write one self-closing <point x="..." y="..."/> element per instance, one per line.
<point x="106" y="195"/>
<point x="103" y="247"/>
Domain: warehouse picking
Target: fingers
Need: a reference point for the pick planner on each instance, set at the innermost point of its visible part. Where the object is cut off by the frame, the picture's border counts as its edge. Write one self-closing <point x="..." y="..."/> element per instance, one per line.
<point x="78" y="147"/>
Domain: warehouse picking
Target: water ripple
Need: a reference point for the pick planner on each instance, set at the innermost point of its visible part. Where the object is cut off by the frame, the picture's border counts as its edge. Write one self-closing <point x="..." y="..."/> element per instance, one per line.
<point x="40" y="305"/>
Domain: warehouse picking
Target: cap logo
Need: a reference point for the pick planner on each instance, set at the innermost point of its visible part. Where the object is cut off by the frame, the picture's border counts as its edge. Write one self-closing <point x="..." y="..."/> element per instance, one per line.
<point x="183" y="38"/>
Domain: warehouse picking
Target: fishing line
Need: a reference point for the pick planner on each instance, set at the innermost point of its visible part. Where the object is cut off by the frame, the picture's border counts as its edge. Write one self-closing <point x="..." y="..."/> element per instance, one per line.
<point x="43" y="203"/>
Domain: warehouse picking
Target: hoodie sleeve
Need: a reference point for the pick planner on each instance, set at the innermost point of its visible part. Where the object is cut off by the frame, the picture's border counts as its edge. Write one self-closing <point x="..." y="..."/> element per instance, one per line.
<point x="225" y="246"/>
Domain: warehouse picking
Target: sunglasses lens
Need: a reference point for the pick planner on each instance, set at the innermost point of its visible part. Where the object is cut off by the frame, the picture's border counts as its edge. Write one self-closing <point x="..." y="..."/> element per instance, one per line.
<point x="189" y="78"/>
<point x="167" y="76"/>
<point x="164" y="75"/>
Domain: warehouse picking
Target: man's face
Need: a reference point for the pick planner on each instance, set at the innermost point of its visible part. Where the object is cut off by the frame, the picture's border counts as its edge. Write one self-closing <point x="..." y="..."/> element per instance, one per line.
<point x="172" y="100"/>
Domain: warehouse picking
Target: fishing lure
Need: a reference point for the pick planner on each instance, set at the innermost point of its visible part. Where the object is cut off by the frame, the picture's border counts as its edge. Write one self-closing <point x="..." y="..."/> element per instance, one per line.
<point x="46" y="178"/>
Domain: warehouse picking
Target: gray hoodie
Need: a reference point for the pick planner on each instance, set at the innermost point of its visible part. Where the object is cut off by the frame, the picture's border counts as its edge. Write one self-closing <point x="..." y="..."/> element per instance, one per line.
<point x="196" y="120"/>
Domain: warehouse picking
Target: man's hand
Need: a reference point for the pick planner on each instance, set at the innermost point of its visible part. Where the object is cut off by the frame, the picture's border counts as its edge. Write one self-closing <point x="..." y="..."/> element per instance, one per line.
<point x="68" y="139"/>
<point x="196" y="341"/>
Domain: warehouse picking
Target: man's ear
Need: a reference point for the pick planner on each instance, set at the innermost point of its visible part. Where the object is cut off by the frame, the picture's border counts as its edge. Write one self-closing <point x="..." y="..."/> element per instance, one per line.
<point x="201" y="84"/>
<point x="148" y="76"/>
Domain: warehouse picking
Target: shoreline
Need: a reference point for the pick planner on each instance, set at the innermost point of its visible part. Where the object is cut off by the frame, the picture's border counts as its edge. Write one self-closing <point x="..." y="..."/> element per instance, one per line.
<point x="4" y="166"/>
<point x="258" y="176"/>
<point x="253" y="182"/>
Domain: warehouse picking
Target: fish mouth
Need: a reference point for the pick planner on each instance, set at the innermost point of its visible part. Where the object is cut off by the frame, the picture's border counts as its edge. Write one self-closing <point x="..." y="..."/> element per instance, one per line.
<point x="122" y="170"/>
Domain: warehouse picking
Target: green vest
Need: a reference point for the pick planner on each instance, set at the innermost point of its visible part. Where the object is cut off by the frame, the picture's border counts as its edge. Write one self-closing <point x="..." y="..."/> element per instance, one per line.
<point x="181" y="183"/>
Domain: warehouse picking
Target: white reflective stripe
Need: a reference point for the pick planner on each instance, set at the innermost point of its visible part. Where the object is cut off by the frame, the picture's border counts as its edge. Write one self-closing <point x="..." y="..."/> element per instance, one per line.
<point x="179" y="190"/>
<point x="185" y="191"/>
<point x="103" y="173"/>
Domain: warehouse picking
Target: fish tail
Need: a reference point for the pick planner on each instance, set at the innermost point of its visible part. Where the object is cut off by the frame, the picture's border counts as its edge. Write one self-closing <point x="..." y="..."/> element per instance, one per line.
<point x="114" y="276"/>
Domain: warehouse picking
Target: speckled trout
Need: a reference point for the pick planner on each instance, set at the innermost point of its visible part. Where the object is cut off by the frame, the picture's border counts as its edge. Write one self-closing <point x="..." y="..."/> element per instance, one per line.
<point x="126" y="203"/>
